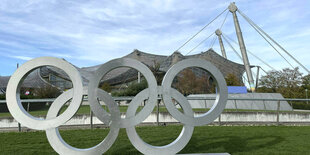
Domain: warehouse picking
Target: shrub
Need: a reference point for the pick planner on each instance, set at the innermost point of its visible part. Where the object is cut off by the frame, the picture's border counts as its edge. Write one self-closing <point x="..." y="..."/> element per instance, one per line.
<point x="132" y="89"/>
<point x="47" y="91"/>
<point x="2" y="96"/>
<point x="301" y="105"/>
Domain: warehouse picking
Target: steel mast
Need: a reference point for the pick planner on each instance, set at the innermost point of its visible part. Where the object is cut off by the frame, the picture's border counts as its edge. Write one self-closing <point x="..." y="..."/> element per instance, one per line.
<point x="233" y="8"/>
<point x="218" y="32"/>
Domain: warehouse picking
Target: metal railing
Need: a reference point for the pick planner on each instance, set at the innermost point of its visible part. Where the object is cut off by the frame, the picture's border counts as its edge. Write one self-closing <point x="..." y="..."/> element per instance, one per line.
<point x="129" y="98"/>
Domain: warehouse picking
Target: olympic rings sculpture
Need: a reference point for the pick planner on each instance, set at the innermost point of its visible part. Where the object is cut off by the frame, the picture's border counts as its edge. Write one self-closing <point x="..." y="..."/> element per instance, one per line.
<point x="113" y="117"/>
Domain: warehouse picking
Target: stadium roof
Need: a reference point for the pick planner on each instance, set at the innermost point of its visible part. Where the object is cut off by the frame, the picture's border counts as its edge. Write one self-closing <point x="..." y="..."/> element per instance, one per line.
<point x="225" y="66"/>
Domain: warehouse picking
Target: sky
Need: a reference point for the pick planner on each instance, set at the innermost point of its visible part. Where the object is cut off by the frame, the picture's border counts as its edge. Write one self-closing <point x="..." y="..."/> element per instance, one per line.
<point x="88" y="33"/>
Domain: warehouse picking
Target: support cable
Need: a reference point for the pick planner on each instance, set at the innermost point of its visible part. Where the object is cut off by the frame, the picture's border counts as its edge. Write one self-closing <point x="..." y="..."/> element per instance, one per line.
<point x="255" y="25"/>
<point x="201" y="30"/>
<point x="236" y="53"/>
<point x="213" y="41"/>
<point x="271" y="44"/>
<point x="263" y="70"/>
<point x="199" y="44"/>
<point x="209" y="35"/>
<point x="232" y="48"/>
<point x="224" y="21"/>
<point x="252" y="54"/>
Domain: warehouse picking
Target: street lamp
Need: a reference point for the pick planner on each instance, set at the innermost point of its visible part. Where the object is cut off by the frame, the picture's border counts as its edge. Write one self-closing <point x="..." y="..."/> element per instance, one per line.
<point x="307" y="95"/>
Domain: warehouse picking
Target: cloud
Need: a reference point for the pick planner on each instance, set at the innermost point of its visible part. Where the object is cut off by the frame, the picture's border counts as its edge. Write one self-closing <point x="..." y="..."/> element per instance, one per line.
<point x="21" y="57"/>
<point x="93" y="32"/>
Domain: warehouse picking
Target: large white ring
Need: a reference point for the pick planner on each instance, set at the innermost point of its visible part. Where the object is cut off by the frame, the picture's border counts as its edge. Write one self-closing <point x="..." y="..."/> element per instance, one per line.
<point x="219" y="103"/>
<point x="61" y="147"/>
<point x="150" y="93"/>
<point x="13" y="93"/>
<point x="172" y="148"/>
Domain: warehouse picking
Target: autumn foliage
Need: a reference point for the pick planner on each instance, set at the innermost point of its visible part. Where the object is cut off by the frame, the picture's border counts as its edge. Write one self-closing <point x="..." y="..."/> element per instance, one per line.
<point x="188" y="83"/>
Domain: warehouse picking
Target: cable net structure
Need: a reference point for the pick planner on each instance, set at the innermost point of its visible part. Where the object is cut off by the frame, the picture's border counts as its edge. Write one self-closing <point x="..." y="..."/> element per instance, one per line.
<point x="243" y="56"/>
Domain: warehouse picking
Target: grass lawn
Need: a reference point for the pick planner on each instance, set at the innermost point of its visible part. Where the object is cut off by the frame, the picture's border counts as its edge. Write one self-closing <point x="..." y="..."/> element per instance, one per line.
<point x="206" y="139"/>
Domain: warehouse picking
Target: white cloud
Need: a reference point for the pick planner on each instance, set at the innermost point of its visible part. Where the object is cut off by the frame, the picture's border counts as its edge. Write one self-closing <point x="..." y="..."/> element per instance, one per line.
<point x="92" y="32"/>
<point x="21" y="57"/>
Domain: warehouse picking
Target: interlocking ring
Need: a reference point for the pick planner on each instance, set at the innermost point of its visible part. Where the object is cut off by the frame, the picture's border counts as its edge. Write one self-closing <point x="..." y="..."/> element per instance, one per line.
<point x="150" y="93"/>
<point x="113" y="118"/>
<point x="61" y="147"/>
<point x="217" y="107"/>
<point x="172" y="148"/>
<point x="13" y="93"/>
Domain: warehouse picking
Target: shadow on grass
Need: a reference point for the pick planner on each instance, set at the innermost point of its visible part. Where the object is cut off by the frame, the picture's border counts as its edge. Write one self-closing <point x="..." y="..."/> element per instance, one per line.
<point x="231" y="144"/>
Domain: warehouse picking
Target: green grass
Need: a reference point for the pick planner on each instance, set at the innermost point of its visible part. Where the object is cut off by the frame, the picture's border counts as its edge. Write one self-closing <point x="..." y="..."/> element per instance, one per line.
<point x="206" y="139"/>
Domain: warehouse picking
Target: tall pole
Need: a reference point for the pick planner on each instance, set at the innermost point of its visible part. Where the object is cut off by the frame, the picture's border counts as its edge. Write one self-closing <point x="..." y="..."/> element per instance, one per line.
<point x="139" y="77"/>
<point x="257" y="77"/>
<point x="307" y="96"/>
<point x="218" y="32"/>
<point x="19" y="125"/>
<point x="233" y="8"/>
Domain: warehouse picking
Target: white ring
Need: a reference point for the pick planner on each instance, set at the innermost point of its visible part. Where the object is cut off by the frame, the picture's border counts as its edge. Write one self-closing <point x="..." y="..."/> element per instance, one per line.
<point x="172" y="148"/>
<point x="61" y="147"/>
<point x="150" y="93"/>
<point x="13" y="93"/>
<point x="219" y="103"/>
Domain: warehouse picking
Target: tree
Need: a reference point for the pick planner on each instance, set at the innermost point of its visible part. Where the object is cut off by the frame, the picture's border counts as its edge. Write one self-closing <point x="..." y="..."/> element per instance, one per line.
<point x="156" y="72"/>
<point x="132" y="90"/>
<point x="47" y="91"/>
<point x="188" y="83"/>
<point x="271" y="80"/>
<point x="287" y="82"/>
<point x="106" y="87"/>
<point x="232" y="80"/>
<point x="2" y="96"/>
<point x="306" y="82"/>
<point x="291" y="78"/>
<point x="203" y="85"/>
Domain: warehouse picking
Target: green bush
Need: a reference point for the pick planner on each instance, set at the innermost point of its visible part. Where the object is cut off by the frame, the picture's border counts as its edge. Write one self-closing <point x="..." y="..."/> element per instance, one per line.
<point x="132" y="89"/>
<point x="301" y="105"/>
<point x="2" y="96"/>
<point x="106" y="87"/>
<point x="47" y="91"/>
<point x="22" y="96"/>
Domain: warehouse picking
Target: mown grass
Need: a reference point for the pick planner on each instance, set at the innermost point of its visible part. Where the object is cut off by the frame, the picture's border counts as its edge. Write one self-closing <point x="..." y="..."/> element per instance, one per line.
<point x="206" y="139"/>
